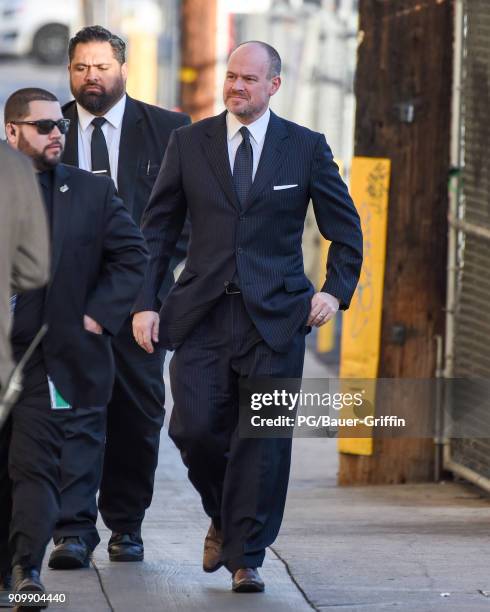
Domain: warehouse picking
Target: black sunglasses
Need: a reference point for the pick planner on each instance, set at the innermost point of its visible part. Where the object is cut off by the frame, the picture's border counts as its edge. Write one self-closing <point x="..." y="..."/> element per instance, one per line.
<point x="46" y="126"/>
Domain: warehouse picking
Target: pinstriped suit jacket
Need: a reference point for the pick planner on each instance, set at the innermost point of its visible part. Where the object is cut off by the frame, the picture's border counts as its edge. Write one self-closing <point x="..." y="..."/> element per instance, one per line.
<point x="261" y="240"/>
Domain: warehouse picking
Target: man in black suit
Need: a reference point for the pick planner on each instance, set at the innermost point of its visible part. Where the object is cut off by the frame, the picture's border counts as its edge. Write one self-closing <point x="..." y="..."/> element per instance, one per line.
<point x="242" y="305"/>
<point x="111" y="133"/>
<point x="97" y="268"/>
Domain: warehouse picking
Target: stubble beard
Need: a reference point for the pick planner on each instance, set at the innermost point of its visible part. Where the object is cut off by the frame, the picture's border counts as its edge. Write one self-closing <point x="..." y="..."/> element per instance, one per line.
<point x="39" y="158"/>
<point x="247" y="112"/>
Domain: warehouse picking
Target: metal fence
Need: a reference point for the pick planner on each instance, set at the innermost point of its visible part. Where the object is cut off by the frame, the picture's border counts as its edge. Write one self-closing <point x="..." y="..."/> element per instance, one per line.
<point x="469" y="299"/>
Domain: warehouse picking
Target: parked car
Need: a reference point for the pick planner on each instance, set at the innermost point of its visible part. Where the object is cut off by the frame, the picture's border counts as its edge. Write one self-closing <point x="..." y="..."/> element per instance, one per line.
<point x="38" y="27"/>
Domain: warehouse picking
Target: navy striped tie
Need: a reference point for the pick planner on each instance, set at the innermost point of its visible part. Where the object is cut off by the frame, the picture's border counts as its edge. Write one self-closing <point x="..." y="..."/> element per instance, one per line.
<point x="243" y="166"/>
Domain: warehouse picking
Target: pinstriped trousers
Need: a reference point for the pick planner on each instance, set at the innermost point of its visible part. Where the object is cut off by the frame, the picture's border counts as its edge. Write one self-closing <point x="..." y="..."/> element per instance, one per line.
<point x="242" y="482"/>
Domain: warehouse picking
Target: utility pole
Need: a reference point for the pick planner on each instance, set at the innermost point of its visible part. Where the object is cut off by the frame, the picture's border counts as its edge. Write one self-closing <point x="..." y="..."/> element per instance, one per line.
<point x="198" y="52"/>
<point x="403" y="101"/>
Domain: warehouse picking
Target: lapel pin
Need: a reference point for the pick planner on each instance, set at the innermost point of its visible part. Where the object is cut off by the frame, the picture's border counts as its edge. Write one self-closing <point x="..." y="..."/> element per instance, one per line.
<point x="64" y="188"/>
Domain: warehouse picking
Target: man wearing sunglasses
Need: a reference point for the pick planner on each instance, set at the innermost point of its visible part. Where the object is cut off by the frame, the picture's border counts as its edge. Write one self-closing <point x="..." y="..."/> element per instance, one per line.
<point x="97" y="266"/>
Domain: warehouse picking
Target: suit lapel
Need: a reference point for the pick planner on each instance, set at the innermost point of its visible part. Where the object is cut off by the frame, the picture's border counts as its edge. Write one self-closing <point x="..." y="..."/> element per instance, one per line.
<point x="70" y="154"/>
<point x="271" y="157"/>
<point x="216" y="150"/>
<point x="62" y="194"/>
<point x="130" y="149"/>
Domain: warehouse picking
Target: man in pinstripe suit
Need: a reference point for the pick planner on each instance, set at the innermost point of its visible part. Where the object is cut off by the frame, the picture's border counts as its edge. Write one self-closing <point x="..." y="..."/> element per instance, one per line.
<point x="242" y="305"/>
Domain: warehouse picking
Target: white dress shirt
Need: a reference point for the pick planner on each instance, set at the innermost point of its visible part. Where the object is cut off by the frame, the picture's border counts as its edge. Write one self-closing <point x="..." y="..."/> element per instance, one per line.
<point x="112" y="134"/>
<point x="257" y="131"/>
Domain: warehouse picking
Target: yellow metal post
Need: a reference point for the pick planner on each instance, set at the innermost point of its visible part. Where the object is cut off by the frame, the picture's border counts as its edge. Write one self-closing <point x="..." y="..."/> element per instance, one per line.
<point x="143" y="66"/>
<point x="142" y="26"/>
<point x="361" y="329"/>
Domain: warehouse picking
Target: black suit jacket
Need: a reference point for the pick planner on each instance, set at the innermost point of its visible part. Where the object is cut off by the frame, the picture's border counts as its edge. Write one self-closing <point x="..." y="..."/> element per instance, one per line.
<point x="261" y="241"/>
<point x="145" y="133"/>
<point x="97" y="268"/>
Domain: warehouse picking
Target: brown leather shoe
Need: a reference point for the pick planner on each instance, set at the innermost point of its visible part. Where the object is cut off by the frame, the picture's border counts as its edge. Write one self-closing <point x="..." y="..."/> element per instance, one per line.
<point x="247" y="580"/>
<point x="213" y="543"/>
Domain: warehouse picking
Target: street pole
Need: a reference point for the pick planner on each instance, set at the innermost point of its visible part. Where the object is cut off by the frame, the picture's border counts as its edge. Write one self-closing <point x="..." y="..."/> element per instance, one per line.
<point x="403" y="101"/>
<point x="198" y="52"/>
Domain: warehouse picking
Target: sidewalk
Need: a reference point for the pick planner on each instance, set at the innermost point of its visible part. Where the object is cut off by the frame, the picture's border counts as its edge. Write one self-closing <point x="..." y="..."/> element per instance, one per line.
<point x="352" y="549"/>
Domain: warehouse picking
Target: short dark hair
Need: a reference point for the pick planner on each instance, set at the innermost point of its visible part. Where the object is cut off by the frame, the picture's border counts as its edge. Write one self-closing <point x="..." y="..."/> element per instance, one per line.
<point x="275" y="63"/>
<point x="100" y="34"/>
<point x="17" y="105"/>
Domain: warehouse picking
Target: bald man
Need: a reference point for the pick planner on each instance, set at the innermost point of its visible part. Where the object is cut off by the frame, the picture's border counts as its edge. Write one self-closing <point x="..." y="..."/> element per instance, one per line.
<point x="242" y="305"/>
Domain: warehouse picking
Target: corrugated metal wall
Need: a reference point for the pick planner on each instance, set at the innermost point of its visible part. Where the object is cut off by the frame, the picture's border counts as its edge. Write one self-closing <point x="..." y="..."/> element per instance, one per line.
<point x="471" y="346"/>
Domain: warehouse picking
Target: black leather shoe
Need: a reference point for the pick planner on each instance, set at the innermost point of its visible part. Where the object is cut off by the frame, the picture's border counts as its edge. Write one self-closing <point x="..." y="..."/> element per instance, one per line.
<point x="247" y="580"/>
<point x="26" y="580"/>
<point x="71" y="552"/>
<point x="125" y="547"/>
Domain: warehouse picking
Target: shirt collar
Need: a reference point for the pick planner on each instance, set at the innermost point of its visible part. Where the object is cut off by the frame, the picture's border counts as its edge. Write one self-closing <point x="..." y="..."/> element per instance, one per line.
<point x="114" y="115"/>
<point x="257" y="129"/>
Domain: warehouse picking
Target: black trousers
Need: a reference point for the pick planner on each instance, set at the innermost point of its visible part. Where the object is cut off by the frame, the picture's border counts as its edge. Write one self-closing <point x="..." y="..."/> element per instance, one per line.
<point x="242" y="482"/>
<point x="135" y="418"/>
<point x="130" y="430"/>
<point x="81" y="469"/>
<point x="30" y="458"/>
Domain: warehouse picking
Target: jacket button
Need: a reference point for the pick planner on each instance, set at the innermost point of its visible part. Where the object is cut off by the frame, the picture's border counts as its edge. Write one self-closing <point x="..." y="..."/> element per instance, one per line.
<point x="239" y="250"/>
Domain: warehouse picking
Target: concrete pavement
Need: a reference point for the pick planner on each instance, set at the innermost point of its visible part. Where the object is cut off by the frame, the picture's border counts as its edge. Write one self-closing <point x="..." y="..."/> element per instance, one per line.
<point x="409" y="547"/>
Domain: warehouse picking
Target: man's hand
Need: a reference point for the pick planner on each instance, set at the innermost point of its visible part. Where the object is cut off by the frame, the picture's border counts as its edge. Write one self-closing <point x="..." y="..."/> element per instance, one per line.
<point x="145" y="329"/>
<point x="91" y="326"/>
<point x="323" y="308"/>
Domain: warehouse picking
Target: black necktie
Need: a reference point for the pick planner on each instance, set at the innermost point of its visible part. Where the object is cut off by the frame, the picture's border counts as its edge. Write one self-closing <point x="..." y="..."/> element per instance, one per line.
<point x="243" y="166"/>
<point x="98" y="148"/>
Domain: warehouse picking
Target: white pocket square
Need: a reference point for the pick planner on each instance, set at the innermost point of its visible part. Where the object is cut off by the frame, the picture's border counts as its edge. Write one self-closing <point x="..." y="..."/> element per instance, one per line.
<point x="279" y="187"/>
